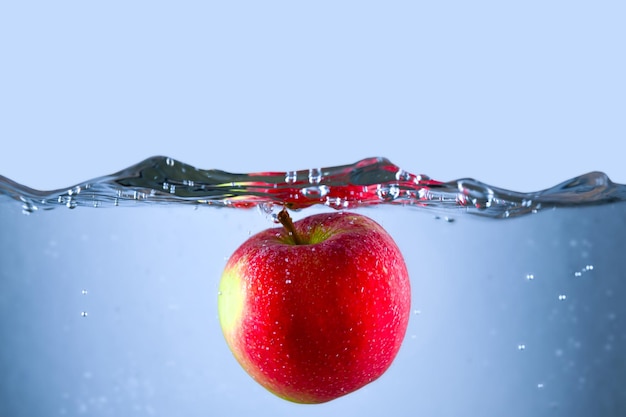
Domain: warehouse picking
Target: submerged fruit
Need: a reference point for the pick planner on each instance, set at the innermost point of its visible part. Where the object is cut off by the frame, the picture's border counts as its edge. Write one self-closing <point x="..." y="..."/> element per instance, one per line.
<point x="317" y="309"/>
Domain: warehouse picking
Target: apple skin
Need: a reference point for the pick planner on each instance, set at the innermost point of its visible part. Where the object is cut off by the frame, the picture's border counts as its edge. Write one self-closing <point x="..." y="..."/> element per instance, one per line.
<point x="316" y="321"/>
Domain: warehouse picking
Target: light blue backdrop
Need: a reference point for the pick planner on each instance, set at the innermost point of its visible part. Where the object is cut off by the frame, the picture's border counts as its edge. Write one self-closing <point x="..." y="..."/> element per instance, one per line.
<point x="520" y="96"/>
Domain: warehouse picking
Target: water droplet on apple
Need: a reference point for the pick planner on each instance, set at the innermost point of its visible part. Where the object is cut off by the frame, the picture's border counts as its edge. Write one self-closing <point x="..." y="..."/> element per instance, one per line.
<point x="287" y="281"/>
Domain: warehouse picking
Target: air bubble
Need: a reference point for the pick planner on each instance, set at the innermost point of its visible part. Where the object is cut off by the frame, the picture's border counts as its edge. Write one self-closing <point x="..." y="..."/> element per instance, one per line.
<point x="403" y="175"/>
<point x="75" y="190"/>
<point x="268" y="209"/>
<point x="84" y="292"/>
<point x="83" y="314"/>
<point x="291" y="177"/>
<point x="540" y="385"/>
<point x="315" y="175"/>
<point x="587" y="268"/>
<point x="315" y="192"/>
<point x="28" y="208"/>
<point x="388" y="193"/>
<point x="70" y="203"/>
<point x="530" y="277"/>
<point x="521" y="346"/>
<point x="562" y="297"/>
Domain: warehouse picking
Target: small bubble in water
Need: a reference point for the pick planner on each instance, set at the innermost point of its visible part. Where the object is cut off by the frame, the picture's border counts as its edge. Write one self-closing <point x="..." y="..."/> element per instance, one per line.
<point x="75" y="190"/>
<point x="291" y="176"/>
<point x="315" y="175"/>
<point x="403" y="175"/>
<point x="84" y="292"/>
<point x="521" y="346"/>
<point x="28" y="208"/>
<point x="540" y="385"/>
<point x="562" y="297"/>
<point x="315" y="192"/>
<point x="388" y="193"/>
<point x="83" y="314"/>
<point x="530" y="277"/>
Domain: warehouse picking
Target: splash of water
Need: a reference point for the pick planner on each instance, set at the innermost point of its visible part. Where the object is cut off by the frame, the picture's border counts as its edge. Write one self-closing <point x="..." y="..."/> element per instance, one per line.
<point x="371" y="181"/>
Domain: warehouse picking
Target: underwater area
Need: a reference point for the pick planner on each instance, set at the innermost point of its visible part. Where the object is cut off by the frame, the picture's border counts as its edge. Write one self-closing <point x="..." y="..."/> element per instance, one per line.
<point x="108" y="301"/>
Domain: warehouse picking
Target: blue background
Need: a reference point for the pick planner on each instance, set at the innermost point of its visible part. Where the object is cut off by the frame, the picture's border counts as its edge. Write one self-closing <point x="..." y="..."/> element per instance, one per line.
<point x="518" y="95"/>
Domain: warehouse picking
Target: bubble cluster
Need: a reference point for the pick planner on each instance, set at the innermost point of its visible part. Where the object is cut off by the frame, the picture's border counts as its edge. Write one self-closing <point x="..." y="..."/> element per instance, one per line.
<point x="388" y="192"/>
<point x="291" y="177"/>
<point x="315" y="192"/>
<point x="583" y="270"/>
<point x="315" y="175"/>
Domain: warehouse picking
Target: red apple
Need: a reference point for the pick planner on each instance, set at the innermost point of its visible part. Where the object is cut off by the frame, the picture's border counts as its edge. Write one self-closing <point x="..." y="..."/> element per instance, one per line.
<point x="318" y="308"/>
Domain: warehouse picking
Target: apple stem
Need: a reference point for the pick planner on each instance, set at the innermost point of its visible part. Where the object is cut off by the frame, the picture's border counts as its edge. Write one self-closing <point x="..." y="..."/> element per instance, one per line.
<point x="285" y="220"/>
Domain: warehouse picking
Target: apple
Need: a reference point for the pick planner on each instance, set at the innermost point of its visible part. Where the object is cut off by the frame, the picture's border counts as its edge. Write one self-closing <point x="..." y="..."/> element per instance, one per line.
<point x="318" y="308"/>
